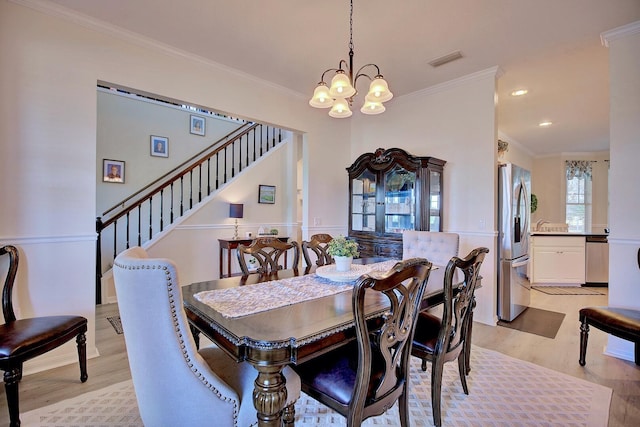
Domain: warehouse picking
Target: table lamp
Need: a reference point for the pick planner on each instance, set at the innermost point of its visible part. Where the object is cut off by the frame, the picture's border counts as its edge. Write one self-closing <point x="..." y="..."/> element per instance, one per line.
<point x="236" y="211"/>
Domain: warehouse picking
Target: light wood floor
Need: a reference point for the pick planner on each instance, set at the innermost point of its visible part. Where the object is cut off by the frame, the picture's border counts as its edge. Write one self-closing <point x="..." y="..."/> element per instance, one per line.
<point x="560" y="354"/>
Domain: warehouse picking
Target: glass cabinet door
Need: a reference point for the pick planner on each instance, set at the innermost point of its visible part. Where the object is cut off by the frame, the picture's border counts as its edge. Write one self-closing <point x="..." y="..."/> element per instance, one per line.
<point x="399" y="200"/>
<point x="363" y="202"/>
<point x="435" y="201"/>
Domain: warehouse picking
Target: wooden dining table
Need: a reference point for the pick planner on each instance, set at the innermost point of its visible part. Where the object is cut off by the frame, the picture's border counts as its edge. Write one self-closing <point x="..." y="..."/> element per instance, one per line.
<point x="271" y="339"/>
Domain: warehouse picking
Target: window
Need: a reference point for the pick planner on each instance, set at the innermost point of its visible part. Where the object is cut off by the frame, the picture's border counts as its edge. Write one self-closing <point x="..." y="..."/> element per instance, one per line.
<point x="578" y="191"/>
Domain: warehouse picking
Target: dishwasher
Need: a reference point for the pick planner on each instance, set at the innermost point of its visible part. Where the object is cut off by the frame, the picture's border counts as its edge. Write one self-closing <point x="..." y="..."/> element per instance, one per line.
<point x="597" y="260"/>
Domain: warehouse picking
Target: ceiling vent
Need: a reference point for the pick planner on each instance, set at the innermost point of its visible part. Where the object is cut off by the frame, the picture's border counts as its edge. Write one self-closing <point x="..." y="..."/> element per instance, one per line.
<point x="445" y="59"/>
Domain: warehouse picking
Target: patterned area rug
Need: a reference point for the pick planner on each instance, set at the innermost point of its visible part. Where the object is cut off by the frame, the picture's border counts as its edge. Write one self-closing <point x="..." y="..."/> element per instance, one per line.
<point x="116" y="323"/>
<point x="567" y="290"/>
<point x="503" y="392"/>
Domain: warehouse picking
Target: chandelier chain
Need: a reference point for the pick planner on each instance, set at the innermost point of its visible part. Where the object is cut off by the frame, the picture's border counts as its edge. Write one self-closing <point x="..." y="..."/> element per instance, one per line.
<point x="351" y="27"/>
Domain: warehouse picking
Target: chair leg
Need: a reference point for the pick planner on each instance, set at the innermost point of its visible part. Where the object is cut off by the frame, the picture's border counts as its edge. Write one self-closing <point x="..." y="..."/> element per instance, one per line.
<point x="11" y="380"/>
<point x="467" y="344"/>
<point x="196" y="335"/>
<point x="81" y="341"/>
<point x="584" y="337"/>
<point x="462" y="369"/>
<point x="289" y="415"/>
<point x="436" y="390"/>
<point x="403" y="406"/>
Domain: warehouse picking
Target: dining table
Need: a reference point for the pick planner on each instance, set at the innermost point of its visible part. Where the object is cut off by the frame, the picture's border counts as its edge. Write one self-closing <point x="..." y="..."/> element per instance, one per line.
<point x="287" y="317"/>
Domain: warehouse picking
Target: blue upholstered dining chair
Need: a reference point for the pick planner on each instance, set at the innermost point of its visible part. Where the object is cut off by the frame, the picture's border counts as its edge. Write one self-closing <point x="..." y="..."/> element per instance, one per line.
<point x="175" y="384"/>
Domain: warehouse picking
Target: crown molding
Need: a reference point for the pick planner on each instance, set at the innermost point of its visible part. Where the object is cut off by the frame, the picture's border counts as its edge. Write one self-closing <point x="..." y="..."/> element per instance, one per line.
<point x="493" y="72"/>
<point x="58" y="11"/>
<point x="617" y="33"/>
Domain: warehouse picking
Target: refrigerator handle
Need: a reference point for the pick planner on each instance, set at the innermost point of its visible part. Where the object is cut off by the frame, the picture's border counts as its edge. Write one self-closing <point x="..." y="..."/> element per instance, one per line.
<point x="520" y="263"/>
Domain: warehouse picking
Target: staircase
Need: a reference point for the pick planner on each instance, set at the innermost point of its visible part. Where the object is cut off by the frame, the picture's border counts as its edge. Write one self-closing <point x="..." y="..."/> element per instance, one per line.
<point x="159" y="205"/>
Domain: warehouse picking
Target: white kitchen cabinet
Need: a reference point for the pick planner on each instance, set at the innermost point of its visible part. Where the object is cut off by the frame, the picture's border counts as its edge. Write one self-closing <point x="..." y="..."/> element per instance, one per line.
<point x="558" y="259"/>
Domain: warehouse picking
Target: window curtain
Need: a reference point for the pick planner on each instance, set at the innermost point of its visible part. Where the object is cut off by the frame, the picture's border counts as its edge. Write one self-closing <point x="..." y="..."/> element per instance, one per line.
<point x="580" y="169"/>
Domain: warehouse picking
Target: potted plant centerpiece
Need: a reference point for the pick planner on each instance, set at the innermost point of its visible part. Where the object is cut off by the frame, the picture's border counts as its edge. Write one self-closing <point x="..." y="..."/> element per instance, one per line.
<point x="343" y="250"/>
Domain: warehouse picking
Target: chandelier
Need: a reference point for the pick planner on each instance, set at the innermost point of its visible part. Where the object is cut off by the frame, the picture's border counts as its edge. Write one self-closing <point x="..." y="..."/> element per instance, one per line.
<point x="343" y="86"/>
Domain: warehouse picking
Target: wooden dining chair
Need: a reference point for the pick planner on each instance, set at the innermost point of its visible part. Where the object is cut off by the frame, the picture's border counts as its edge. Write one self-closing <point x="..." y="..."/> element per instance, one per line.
<point x="269" y="253"/>
<point x="367" y="376"/>
<point x="175" y="383"/>
<point x="443" y="339"/>
<point x="316" y="249"/>
<point x="24" y="339"/>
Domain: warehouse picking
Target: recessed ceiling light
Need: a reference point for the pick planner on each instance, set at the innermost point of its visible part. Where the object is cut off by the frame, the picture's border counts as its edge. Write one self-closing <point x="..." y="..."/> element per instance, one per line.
<point x="545" y="123"/>
<point x="519" y="92"/>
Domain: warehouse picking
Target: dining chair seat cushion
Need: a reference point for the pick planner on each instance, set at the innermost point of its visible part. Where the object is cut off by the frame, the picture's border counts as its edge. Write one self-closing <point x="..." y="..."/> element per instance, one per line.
<point x="27" y="338"/>
<point x="332" y="376"/>
<point x="241" y="377"/>
<point x="426" y="335"/>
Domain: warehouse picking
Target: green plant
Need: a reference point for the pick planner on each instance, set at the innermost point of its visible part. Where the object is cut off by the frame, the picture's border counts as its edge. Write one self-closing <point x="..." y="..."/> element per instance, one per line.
<point x="534" y="203"/>
<point x="341" y="246"/>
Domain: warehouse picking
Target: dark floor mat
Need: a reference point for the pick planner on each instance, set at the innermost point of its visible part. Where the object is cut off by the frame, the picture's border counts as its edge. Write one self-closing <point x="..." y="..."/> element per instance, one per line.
<point x="536" y="321"/>
<point x="115" y="322"/>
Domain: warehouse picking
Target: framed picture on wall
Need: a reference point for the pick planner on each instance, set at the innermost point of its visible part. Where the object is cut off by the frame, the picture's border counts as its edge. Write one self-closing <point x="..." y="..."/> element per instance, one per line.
<point x="197" y="125"/>
<point x="113" y="171"/>
<point x="159" y="146"/>
<point x="267" y="194"/>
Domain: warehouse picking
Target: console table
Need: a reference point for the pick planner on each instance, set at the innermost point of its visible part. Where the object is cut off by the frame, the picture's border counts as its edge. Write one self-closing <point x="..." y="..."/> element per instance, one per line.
<point x="230" y="244"/>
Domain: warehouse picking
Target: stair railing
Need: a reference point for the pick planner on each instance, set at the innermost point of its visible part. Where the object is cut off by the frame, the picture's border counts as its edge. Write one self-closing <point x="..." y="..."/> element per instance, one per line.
<point x="141" y="216"/>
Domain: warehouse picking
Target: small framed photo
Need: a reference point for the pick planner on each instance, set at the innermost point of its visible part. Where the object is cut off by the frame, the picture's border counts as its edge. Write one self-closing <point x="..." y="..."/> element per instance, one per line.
<point x="113" y="171"/>
<point x="159" y="146"/>
<point x="197" y="125"/>
<point x="267" y="194"/>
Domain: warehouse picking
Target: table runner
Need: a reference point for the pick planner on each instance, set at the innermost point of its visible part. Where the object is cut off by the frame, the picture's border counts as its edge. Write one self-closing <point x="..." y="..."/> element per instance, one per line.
<point x="245" y="300"/>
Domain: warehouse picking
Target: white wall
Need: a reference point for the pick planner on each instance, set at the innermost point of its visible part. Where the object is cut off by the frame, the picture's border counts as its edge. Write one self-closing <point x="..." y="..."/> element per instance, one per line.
<point x="624" y="240"/>
<point x="454" y="122"/>
<point x="125" y="125"/>
<point x="51" y="63"/>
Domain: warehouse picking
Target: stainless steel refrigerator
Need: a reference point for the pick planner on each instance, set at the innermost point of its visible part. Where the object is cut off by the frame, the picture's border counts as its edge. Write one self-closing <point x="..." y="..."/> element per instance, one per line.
<point x="514" y="212"/>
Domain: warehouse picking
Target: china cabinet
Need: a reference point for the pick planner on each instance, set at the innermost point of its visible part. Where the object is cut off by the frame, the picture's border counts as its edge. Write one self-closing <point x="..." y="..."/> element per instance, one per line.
<point x="391" y="191"/>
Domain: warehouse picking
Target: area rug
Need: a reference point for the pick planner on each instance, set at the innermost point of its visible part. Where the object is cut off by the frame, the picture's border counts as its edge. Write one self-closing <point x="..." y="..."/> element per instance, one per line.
<point x="503" y="392"/>
<point x="116" y="323"/>
<point x="567" y="290"/>
<point x="536" y="321"/>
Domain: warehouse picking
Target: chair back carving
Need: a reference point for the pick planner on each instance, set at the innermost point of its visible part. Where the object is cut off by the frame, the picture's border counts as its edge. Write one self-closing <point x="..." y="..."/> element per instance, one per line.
<point x="447" y="338"/>
<point x="317" y="245"/>
<point x="384" y="349"/>
<point x="459" y="306"/>
<point x="7" y="290"/>
<point x="270" y="254"/>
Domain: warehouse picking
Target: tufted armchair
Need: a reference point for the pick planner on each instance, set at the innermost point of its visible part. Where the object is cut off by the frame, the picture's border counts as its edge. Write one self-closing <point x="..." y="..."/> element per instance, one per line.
<point x="175" y="384"/>
<point x="437" y="247"/>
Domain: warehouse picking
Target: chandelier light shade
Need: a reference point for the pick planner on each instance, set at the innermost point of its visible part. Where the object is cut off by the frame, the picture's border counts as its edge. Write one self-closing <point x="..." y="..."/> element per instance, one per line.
<point x="339" y="96"/>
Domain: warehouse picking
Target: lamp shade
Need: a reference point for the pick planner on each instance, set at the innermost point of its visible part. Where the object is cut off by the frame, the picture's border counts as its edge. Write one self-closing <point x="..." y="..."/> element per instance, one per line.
<point x="321" y="97"/>
<point x="379" y="90"/>
<point x="340" y="109"/>
<point x="341" y="86"/>
<point x="236" y="210"/>
<point x="372" y="107"/>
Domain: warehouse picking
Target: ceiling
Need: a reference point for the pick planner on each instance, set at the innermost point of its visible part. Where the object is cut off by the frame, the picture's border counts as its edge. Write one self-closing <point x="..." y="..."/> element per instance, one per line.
<point x="550" y="47"/>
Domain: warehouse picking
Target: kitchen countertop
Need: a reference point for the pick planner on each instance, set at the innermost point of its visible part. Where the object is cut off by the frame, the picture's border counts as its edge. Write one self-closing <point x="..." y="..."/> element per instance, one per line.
<point x="565" y="233"/>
